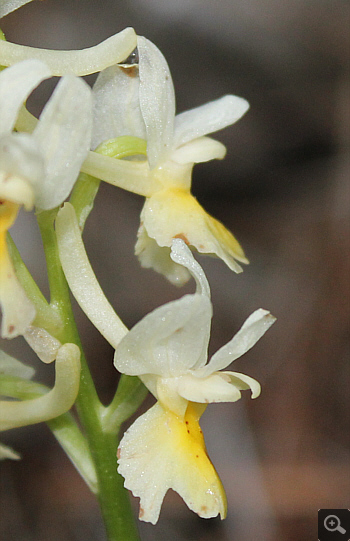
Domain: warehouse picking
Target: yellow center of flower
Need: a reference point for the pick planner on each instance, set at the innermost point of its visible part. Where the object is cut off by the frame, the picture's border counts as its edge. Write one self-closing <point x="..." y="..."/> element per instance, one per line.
<point x="8" y="214"/>
<point x="175" y="213"/>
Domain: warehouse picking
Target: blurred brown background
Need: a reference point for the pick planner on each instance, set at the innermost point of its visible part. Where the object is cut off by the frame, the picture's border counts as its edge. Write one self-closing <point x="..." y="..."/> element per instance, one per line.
<point x="283" y="189"/>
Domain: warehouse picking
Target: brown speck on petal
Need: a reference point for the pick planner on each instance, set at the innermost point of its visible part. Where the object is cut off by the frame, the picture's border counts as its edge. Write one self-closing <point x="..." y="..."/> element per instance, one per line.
<point x="131" y="71"/>
<point x="10" y="329"/>
<point x="141" y="513"/>
<point x="204" y="508"/>
<point x="118" y="453"/>
<point x="183" y="237"/>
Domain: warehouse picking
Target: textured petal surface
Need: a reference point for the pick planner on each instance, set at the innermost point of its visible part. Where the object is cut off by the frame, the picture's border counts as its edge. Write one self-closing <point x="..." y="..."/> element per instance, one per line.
<point x="44" y="345"/>
<point x="208" y="118"/>
<point x="251" y="331"/>
<point x="157" y="101"/>
<point x="169" y="340"/>
<point x="63" y="134"/>
<point x="82" y="280"/>
<point x="16" y="83"/>
<point x="218" y="387"/>
<point x="57" y="401"/>
<point x="116" y="105"/>
<point x="199" y="150"/>
<point x="243" y="382"/>
<point x="175" y="213"/>
<point x="161" y="451"/>
<point x="213" y="388"/>
<point x="94" y="59"/>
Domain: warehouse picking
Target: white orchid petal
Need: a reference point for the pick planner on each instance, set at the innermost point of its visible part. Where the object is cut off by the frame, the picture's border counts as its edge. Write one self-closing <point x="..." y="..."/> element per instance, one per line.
<point x="116" y="106"/>
<point x="12" y="367"/>
<point x="199" y="150"/>
<point x="213" y="388"/>
<point x="251" y="331"/>
<point x="150" y="381"/>
<point x="7" y="6"/>
<point x="168" y="341"/>
<point x="44" y="345"/>
<point x="22" y="168"/>
<point x="160" y="451"/>
<point x="208" y="118"/>
<point x="91" y="60"/>
<point x="131" y="176"/>
<point x="57" y="401"/>
<point x="8" y="452"/>
<point x="16" y="83"/>
<point x="82" y="280"/>
<point x="157" y="101"/>
<point x="151" y="255"/>
<point x="243" y="382"/>
<point x="63" y="134"/>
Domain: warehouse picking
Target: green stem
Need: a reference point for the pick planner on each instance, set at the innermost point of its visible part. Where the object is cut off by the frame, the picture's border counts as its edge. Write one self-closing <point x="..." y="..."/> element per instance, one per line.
<point x="113" y="498"/>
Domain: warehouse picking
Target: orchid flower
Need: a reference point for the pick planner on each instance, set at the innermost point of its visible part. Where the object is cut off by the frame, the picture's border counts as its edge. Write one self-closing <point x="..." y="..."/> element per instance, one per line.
<point x="36" y="169"/>
<point x="14" y="414"/>
<point x="138" y="100"/>
<point x="167" y="349"/>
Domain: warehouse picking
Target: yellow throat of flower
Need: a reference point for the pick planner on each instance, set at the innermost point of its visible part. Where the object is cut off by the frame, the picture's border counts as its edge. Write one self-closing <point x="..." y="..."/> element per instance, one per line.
<point x="200" y="485"/>
<point x="8" y="214"/>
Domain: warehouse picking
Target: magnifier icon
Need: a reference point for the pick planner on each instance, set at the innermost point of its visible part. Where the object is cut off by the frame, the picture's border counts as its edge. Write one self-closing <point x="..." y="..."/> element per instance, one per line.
<point x="332" y="524"/>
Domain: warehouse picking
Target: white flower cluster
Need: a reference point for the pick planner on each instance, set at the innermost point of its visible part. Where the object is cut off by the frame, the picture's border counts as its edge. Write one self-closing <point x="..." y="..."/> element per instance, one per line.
<point x="40" y="160"/>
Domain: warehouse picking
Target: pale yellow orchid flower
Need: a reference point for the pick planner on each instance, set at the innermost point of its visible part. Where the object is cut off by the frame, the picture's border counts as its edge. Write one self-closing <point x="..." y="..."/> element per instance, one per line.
<point x="167" y="349"/>
<point x="139" y="100"/>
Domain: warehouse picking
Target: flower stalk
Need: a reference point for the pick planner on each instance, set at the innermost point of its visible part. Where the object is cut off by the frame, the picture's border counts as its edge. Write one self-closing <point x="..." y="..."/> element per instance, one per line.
<point x="103" y="445"/>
